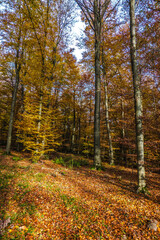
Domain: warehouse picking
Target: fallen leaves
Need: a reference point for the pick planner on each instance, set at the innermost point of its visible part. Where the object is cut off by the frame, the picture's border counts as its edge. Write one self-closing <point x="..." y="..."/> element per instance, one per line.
<point x="86" y="205"/>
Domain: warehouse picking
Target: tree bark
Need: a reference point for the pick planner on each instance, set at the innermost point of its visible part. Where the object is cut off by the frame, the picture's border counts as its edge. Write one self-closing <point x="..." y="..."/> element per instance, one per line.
<point x="19" y="55"/>
<point x="94" y="12"/>
<point x="123" y="150"/>
<point x="111" y="158"/>
<point x="14" y="98"/>
<point x="97" y="27"/>
<point x="111" y="155"/>
<point x="74" y="125"/>
<point x="39" y="120"/>
<point x="137" y="101"/>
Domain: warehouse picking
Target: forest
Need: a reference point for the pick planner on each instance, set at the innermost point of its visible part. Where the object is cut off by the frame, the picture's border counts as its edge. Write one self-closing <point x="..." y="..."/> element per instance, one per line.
<point x="79" y="139"/>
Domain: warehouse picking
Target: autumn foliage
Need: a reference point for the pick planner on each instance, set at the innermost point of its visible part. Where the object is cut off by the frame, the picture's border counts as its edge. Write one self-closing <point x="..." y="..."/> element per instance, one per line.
<point x="47" y="101"/>
<point x="55" y="99"/>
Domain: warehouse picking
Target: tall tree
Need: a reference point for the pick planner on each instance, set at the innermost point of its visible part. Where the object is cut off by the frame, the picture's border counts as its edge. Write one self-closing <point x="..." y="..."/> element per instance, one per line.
<point x="111" y="159"/>
<point x="14" y="19"/>
<point x="137" y="100"/>
<point x="41" y="28"/>
<point x="94" y="12"/>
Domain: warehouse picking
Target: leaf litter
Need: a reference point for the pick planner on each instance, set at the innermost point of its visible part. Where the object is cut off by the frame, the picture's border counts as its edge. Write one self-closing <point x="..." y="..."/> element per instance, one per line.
<point x="49" y="201"/>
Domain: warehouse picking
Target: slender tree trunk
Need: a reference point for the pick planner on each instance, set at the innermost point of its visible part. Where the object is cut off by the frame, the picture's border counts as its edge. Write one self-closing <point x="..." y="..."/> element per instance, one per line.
<point x="39" y="119"/>
<point x="97" y="25"/>
<point x="40" y="110"/>
<point x="111" y="156"/>
<point x="90" y="123"/>
<point x="79" y="133"/>
<point x="138" y="102"/>
<point x="94" y="12"/>
<point x="79" y="127"/>
<point x="20" y="145"/>
<point x="14" y="98"/>
<point x="123" y="151"/>
<point x="111" y="159"/>
<point x="74" y="125"/>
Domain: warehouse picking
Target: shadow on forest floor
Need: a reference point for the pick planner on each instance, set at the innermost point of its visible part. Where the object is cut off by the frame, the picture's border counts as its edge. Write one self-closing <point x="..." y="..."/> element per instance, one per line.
<point x="46" y="200"/>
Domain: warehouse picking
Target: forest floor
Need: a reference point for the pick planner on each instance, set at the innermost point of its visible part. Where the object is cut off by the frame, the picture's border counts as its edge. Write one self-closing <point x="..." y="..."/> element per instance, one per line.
<point x="57" y="199"/>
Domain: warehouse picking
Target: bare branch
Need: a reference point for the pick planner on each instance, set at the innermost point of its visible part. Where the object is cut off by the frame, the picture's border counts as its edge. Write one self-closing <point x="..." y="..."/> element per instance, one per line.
<point x="86" y="10"/>
<point x="104" y="7"/>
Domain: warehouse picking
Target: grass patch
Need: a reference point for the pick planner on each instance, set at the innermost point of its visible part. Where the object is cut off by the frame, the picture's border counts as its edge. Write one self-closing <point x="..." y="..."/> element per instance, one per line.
<point x="59" y="161"/>
<point x="40" y="176"/>
<point x="67" y="200"/>
<point x="70" y="162"/>
<point x="23" y="185"/>
<point x="5" y="180"/>
<point x="16" y="159"/>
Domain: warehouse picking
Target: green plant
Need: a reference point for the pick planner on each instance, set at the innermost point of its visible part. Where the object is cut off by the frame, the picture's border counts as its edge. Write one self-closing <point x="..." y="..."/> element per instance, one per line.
<point x="70" y="162"/>
<point x="16" y="159"/>
<point x="23" y="185"/>
<point x="59" y="161"/>
<point x="35" y="159"/>
<point x="68" y="201"/>
<point x="144" y="191"/>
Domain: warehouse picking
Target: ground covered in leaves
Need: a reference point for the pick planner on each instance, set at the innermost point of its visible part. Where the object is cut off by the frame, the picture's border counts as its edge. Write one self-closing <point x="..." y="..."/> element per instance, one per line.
<point x="52" y="199"/>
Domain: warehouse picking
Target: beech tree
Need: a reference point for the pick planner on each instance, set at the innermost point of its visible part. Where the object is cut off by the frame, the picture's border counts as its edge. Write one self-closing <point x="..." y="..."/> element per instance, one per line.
<point x="7" y="80"/>
<point x="138" y="101"/>
<point x="104" y="66"/>
<point x="149" y="58"/>
<point x="13" y="37"/>
<point x="38" y="14"/>
<point x="94" y="12"/>
<point x="116" y="63"/>
<point x="48" y="22"/>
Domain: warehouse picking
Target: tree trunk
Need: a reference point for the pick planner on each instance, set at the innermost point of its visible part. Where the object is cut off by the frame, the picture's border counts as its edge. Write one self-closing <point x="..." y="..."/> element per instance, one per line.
<point x="74" y="125"/>
<point x="40" y="111"/>
<point x="111" y="156"/>
<point x="138" y="102"/>
<point x="123" y="150"/>
<point x="111" y="159"/>
<point x="94" y="12"/>
<point x="97" y="26"/>
<point x="14" y="98"/>
<point x="39" y="120"/>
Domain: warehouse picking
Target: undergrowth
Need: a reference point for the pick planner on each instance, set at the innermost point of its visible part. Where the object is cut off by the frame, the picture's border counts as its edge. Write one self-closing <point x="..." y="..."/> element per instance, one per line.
<point x="70" y="162"/>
